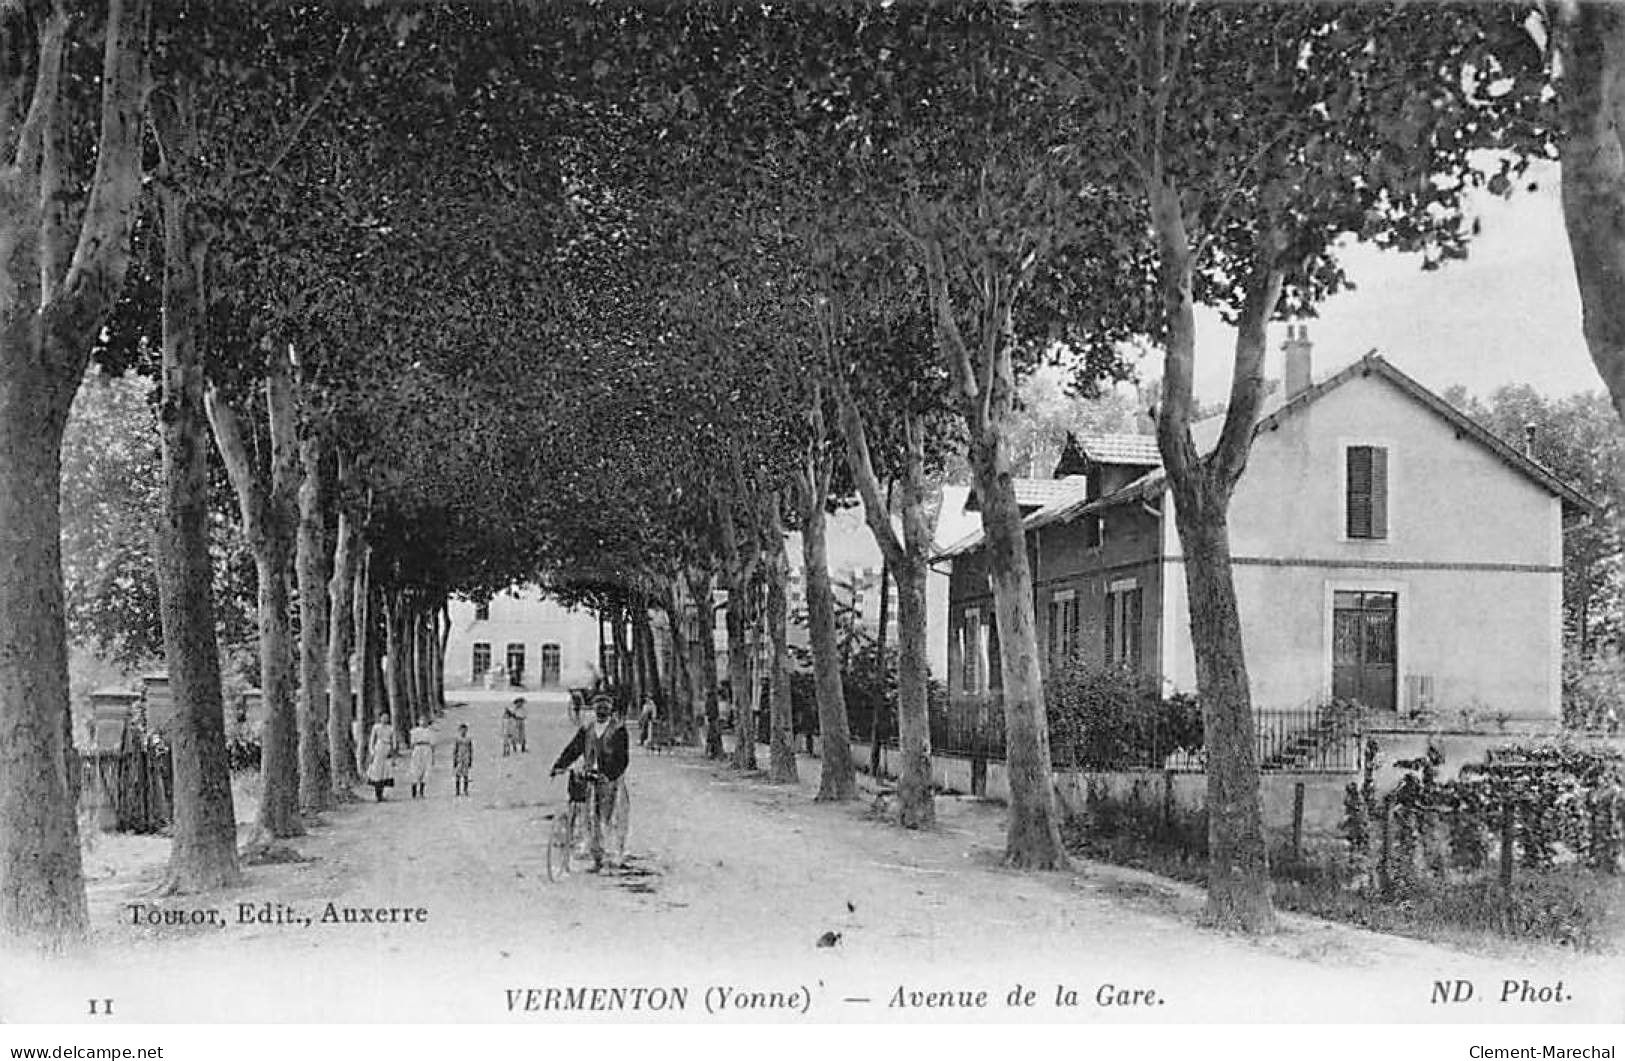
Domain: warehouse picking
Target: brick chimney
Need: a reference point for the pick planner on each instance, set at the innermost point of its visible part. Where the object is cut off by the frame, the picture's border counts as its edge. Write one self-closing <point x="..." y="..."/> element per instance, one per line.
<point x="1299" y="367"/>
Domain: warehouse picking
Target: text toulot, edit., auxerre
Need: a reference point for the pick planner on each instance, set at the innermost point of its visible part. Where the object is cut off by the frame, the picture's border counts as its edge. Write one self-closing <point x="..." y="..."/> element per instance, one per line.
<point x="269" y="913"/>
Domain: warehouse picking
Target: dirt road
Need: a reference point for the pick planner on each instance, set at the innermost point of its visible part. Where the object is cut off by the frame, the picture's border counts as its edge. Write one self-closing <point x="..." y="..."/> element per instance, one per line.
<point x="439" y="909"/>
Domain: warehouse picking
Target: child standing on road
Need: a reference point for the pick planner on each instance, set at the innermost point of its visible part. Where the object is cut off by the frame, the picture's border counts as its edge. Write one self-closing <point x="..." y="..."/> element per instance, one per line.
<point x="462" y="760"/>
<point x="422" y="738"/>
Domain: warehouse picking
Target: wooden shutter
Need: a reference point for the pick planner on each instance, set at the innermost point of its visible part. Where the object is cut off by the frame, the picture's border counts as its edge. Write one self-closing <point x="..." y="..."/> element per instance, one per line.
<point x="1358" y="480"/>
<point x="1379" y="492"/>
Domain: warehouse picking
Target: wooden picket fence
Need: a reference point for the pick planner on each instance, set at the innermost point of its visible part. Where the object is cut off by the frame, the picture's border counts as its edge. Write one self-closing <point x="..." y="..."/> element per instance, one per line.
<point x="127" y="791"/>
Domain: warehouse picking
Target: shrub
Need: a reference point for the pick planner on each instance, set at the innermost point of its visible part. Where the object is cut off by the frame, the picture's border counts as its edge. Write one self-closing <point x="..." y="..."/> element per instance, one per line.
<point x="1564" y="805"/>
<point x="1111" y="718"/>
<point x="1130" y="833"/>
<point x="868" y="687"/>
<point x="1567" y="906"/>
<point x="1593" y="689"/>
<point x="1417" y="855"/>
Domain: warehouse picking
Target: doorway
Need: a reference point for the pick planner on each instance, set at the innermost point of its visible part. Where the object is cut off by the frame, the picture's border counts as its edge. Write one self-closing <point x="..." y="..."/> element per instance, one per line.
<point x="1365" y="648"/>
<point x="516" y="665"/>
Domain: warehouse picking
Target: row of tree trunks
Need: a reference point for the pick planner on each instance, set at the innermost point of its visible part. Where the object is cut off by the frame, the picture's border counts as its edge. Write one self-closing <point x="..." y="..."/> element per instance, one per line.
<point x="414" y="663"/>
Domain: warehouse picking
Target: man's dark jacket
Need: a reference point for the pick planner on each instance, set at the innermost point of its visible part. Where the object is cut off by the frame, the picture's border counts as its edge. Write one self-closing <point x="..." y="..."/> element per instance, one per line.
<point x="613" y="752"/>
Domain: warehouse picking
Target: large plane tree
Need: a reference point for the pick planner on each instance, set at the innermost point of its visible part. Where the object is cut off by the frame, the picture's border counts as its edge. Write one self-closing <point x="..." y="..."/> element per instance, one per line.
<point x="67" y="209"/>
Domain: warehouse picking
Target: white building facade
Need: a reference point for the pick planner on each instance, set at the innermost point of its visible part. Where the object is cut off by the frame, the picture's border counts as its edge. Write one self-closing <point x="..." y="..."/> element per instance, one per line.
<point x="520" y="639"/>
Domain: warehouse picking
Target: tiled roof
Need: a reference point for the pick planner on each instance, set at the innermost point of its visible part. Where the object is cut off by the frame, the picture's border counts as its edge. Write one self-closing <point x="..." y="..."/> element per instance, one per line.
<point x="1046" y="494"/>
<point x="1039" y="493"/>
<point x="1048" y="491"/>
<point x="1145" y="486"/>
<point x="1121" y="449"/>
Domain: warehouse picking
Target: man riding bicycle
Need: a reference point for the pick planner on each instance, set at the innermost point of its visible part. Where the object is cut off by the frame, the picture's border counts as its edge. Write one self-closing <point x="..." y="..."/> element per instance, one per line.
<point x="603" y="748"/>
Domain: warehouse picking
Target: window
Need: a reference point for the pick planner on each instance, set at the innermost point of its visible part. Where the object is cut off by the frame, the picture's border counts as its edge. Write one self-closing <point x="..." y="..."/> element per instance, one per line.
<point x="482" y="610"/>
<point x="1063" y="627"/>
<point x="516" y="664"/>
<point x="482" y="659"/>
<point x="970" y="650"/>
<point x="1123" y="614"/>
<point x="995" y="666"/>
<point x="1366" y="492"/>
<point x="550" y="665"/>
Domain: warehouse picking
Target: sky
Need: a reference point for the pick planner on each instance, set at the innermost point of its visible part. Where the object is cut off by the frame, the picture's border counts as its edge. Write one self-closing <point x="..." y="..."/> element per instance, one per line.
<point x="1509" y="313"/>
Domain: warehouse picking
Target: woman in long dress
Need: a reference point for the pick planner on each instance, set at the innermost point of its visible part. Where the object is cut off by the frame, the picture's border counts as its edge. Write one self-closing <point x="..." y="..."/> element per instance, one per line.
<point x="380" y="745"/>
<point x="422" y="738"/>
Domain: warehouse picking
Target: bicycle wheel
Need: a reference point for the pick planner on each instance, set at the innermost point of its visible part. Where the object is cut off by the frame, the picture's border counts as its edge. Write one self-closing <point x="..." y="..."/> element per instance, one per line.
<point x="559" y="844"/>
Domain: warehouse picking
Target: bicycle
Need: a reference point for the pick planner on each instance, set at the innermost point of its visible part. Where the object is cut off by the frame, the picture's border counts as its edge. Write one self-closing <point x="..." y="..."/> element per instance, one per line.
<point x="577" y="825"/>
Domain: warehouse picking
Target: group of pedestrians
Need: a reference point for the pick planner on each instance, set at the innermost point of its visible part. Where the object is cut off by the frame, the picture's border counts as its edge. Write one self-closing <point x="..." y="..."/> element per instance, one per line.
<point x="600" y="752"/>
<point x="382" y="747"/>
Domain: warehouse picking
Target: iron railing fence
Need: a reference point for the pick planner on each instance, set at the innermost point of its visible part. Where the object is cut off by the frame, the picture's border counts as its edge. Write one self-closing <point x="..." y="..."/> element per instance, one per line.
<point x="1306" y="740"/>
<point x="1323" y="739"/>
<point x="969" y="729"/>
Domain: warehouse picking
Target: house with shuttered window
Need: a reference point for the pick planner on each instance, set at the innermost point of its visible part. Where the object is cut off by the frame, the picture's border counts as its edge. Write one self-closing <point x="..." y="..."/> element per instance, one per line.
<point x="1387" y="549"/>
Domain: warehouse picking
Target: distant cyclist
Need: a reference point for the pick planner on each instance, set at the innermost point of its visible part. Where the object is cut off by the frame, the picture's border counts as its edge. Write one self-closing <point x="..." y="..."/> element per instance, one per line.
<point x="603" y="748"/>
